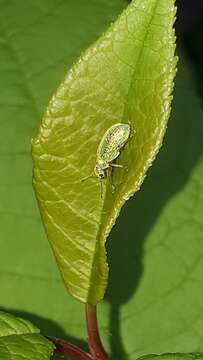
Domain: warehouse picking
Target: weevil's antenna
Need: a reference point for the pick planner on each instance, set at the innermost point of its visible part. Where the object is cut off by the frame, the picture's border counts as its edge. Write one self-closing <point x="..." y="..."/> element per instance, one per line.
<point x="88" y="177"/>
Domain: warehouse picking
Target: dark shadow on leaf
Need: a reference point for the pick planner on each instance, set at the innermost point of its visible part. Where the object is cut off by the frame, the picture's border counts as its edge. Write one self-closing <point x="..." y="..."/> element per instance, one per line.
<point x="47" y="328"/>
<point x="182" y="149"/>
<point x="189" y="30"/>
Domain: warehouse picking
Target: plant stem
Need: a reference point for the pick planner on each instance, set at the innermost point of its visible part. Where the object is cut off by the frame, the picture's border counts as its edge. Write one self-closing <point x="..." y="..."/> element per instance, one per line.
<point x="71" y="351"/>
<point x="95" y="345"/>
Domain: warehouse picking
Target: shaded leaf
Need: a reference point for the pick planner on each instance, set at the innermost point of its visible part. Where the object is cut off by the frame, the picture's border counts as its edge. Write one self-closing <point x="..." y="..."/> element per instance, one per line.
<point x="178" y="356"/>
<point x="19" y="339"/>
<point x="127" y="75"/>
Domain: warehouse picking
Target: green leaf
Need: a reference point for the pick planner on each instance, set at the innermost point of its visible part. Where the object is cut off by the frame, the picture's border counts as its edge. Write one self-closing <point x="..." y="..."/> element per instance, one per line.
<point x="178" y="356"/>
<point x="154" y="301"/>
<point x="32" y="63"/>
<point x="19" y="339"/>
<point x="126" y="76"/>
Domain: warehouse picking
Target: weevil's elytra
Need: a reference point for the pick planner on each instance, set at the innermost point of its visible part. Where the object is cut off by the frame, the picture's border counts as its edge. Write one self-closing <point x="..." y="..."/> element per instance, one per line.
<point x="109" y="149"/>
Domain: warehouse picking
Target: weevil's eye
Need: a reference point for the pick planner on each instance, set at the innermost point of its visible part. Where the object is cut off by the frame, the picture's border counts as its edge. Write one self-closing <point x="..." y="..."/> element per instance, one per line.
<point x="102" y="176"/>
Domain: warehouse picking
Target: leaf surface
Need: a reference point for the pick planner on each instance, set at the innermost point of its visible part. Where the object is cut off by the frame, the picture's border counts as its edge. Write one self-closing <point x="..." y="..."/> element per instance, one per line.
<point x="178" y="356"/>
<point x="155" y="291"/>
<point x="19" y="339"/>
<point x="126" y="76"/>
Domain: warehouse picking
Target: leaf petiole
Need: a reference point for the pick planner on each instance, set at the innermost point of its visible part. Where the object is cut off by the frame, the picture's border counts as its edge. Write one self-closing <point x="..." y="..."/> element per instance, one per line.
<point x="95" y="345"/>
<point x="96" y="348"/>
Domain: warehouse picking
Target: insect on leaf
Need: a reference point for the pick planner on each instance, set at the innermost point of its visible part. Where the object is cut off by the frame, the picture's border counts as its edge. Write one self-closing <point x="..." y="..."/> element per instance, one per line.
<point x="126" y="76"/>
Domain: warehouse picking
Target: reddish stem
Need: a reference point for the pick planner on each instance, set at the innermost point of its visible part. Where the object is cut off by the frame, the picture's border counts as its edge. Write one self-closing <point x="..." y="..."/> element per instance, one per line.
<point x="97" y="351"/>
<point x="95" y="345"/>
<point x="71" y="351"/>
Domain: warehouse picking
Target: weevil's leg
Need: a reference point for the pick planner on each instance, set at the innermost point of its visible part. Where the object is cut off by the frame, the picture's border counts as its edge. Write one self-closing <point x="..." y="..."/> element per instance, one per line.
<point x="120" y="166"/>
<point x="117" y="165"/>
<point x="112" y="185"/>
<point x="101" y="187"/>
<point x="109" y="175"/>
<point x="132" y="130"/>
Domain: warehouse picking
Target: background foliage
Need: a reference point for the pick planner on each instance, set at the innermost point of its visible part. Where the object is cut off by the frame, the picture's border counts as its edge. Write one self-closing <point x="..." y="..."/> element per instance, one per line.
<point x="19" y="339"/>
<point x="154" y="302"/>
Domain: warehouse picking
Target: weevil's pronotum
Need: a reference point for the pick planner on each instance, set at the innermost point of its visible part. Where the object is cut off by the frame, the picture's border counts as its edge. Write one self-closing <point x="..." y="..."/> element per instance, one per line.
<point x="109" y="149"/>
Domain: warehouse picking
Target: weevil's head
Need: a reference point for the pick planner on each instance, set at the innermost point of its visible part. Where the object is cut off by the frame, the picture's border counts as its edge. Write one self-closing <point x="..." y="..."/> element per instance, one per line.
<point x="100" y="170"/>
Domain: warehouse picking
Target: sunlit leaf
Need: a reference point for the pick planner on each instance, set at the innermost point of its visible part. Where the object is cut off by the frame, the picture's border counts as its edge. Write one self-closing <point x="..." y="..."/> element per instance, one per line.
<point x="126" y="76"/>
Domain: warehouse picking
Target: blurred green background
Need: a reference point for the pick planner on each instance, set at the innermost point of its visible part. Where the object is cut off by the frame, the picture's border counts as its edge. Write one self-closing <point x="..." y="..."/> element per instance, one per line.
<point x="154" y="300"/>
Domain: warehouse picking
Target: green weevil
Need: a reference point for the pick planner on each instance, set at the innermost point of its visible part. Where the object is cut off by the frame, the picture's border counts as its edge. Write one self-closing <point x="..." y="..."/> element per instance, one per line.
<point x="112" y="142"/>
<point x="109" y="149"/>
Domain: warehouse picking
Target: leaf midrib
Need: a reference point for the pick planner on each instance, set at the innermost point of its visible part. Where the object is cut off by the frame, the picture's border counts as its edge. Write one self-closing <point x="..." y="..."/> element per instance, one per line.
<point x="99" y="237"/>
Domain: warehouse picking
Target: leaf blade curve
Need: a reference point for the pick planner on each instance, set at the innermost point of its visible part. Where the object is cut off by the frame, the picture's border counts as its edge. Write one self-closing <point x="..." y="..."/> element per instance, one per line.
<point x="127" y="75"/>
